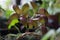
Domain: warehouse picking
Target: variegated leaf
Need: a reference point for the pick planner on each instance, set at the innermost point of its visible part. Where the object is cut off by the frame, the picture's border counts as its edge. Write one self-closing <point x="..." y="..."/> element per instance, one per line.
<point x="17" y="9"/>
<point x="25" y="8"/>
<point x="14" y="16"/>
<point x="34" y="6"/>
<point x="43" y="12"/>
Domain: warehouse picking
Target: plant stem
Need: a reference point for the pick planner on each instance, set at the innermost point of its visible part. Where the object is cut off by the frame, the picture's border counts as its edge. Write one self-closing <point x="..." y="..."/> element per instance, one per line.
<point x="17" y="29"/>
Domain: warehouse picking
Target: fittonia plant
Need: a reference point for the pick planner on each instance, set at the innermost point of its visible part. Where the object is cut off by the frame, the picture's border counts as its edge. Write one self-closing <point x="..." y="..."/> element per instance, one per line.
<point x="30" y="21"/>
<point x="24" y="12"/>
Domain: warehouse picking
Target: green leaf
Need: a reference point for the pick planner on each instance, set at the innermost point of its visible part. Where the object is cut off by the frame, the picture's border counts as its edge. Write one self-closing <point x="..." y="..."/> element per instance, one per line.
<point x="8" y="13"/>
<point x="31" y="12"/>
<point x="13" y="22"/>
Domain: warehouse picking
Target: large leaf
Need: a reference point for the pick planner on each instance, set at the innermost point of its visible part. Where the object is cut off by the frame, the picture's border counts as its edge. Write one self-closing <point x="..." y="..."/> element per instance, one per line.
<point x="41" y="20"/>
<point x="12" y="23"/>
<point x="17" y="9"/>
<point x="30" y="26"/>
<point x="25" y="8"/>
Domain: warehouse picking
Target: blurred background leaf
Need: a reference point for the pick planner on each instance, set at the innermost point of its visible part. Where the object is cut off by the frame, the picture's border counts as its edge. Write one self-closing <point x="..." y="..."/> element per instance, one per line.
<point x="8" y="2"/>
<point x="57" y="4"/>
<point x="31" y="12"/>
<point x="8" y="13"/>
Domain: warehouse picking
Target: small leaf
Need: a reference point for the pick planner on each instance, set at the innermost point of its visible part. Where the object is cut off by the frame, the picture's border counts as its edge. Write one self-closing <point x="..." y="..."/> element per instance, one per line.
<point x="25" y="8"/>
<point x="14" y="16"/>
<point x="35" y="6"/>
<point x="17" y="9"/>
<point x="30" y="26"/>
<point x="43" y="12"/>
<point x="41" y="20"/>
<point x="12" y="23"/>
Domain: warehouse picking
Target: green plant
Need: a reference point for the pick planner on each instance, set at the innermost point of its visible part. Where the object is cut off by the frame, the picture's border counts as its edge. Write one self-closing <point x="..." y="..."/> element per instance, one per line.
<point x="24" y="11"/>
